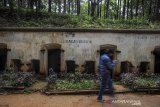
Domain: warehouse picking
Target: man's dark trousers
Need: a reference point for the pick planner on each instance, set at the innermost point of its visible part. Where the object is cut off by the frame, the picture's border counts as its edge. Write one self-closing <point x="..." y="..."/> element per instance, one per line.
<point x="105" y="80"/>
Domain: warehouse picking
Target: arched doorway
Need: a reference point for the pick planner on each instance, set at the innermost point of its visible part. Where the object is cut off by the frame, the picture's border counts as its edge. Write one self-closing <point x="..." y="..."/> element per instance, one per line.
<point x="51" y="57"/>
<point x="156" y="53"/>
<point x="108" y="46"/>
<point x="3" y="56"/>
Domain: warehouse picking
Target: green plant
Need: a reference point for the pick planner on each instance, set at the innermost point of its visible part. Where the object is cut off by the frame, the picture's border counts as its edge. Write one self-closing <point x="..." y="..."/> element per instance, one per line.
<point x="140" y="80"/>
<point x="83" y="84"/>
<point x="146" y="82"/>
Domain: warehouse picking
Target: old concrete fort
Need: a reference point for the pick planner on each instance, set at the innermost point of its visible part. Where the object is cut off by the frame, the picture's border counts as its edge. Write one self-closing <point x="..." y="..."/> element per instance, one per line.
<point x="78" y="50"/>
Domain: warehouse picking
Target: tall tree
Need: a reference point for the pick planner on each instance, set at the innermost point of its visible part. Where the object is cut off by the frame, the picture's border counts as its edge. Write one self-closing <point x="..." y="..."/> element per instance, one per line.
<point x="38" y="4"/>
<point x="78" y="7"/>
<point x="120" y="5"/>
<point x="93" y="7"/>
<point x="19" y="3"/>
<point x="4" y="3"/>
<point x="69" y="6"/>
<point x="137" y="5"/>
<point x="118" y="9"/>
<point x="158" y="11"/>
<point x="72" y="7"/>
<point x="107" y="8"/>
<point x="31" y="4"/>
<point x="128" y="8"/>
<point x="150" y="9"/>
<point x="100" y="10"/>
<point x="11" y="5"/>
<point x="97" y="8"/>
<point x="89" y="7"/>
<point x="59" y="6"/>
<point x="49" y="5"/>
<point x="64" y="7"/>
<point x="131" y="9"/>
<point x="142" y="8"/>
<point x="124" y="9"/>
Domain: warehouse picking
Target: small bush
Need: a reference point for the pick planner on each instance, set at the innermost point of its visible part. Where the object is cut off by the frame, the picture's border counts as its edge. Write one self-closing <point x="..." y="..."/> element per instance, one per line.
<point x="11" y="78"/>
<point x="140" y="80"/>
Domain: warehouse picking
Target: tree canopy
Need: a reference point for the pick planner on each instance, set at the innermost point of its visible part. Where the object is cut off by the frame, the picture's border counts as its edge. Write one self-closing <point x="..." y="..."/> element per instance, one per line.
<point x="148" y="10"/>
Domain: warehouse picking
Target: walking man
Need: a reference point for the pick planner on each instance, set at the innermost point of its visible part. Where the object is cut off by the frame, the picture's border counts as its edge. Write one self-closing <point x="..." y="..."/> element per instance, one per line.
<point x="106" y="65"/>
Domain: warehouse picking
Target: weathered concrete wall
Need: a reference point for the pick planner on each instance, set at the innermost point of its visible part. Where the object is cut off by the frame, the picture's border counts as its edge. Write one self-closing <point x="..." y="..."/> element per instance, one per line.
<point x="81" y="46"/>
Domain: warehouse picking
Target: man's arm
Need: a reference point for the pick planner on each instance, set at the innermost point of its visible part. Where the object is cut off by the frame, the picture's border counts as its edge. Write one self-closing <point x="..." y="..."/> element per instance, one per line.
<point x="109" y="63"/>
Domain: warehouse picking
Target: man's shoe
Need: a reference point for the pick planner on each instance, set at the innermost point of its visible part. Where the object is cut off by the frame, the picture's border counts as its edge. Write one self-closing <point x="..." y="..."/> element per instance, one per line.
<point x="101" y="101"/>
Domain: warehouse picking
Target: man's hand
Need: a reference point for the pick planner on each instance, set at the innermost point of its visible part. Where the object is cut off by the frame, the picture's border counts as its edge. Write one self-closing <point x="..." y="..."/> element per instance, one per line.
<point x="115" y="61"/>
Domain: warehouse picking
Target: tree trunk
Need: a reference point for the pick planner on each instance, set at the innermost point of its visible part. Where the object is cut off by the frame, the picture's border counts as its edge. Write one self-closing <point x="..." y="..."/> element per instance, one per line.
<point x="137" y="8"/>
<point x="118" y="9"/>
<point x="89" y="7"/>
<point x="97" y="8"/>
<point x="158" y="11"/>
<point x="93" y="8"/>
<point x="59" y="6"/>
<point x="131" y="9"/>
<point x="64" y="7"/>
<point x="120" y="12"/>
<point x="4" y="3"/>
<point x="69" y="6"/>
<point x="11" y="5"/>
<point x="78" y="7"/>
<point x="107" y="9"/>
<point x="72" y="5"/>
<point x="49" y="5"/>
<point x="124" y="9"/>
<point x="19" y="3"/>
<point x="31" y="4"/>
<point x="55" y="7"/>
<point x="150" y="10"/>
<point x="127" y="8"/>
<point x="36" y="3"/>
<point x="100" y="11"/>
<point x="142" y="8"/>
<point x="39" y="4"/>
<point x="105" y="5"/>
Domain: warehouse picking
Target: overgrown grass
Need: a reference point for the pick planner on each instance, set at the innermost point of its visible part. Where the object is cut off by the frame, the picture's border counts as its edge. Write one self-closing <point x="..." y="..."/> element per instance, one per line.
<point x="147" y="82"/>
<point x="27" y="18"/>
<point x="78" y="85"/>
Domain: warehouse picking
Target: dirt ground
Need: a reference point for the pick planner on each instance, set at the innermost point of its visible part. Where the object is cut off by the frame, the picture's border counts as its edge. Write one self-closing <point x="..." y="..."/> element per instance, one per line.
<point x="40" y="100"/>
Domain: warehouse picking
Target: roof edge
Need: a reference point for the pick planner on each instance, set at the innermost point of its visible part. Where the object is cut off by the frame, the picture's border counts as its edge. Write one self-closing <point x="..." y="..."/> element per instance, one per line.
<point x="40" y="29"/>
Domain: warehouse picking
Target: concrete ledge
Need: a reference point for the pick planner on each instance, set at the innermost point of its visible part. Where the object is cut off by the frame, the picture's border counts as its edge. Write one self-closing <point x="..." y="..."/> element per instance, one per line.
<point x="35" y="29"/>
<point x="82" y="92"/>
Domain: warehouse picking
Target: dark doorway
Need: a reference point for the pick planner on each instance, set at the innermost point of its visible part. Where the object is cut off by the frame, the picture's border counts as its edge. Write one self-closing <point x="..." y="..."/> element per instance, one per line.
<point x="126" y="67"/>
<point x="156" y="53"/>
<point x="3" y="58"/>
<point x="144" y="67"/>
<point x="54" y="59"/>
<point x="16" y="64"/>
<point x="35" y="65"/>
<point x="157" y="63"/>
<point x="90" y="67"/>
<point x="70" y="66"/>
